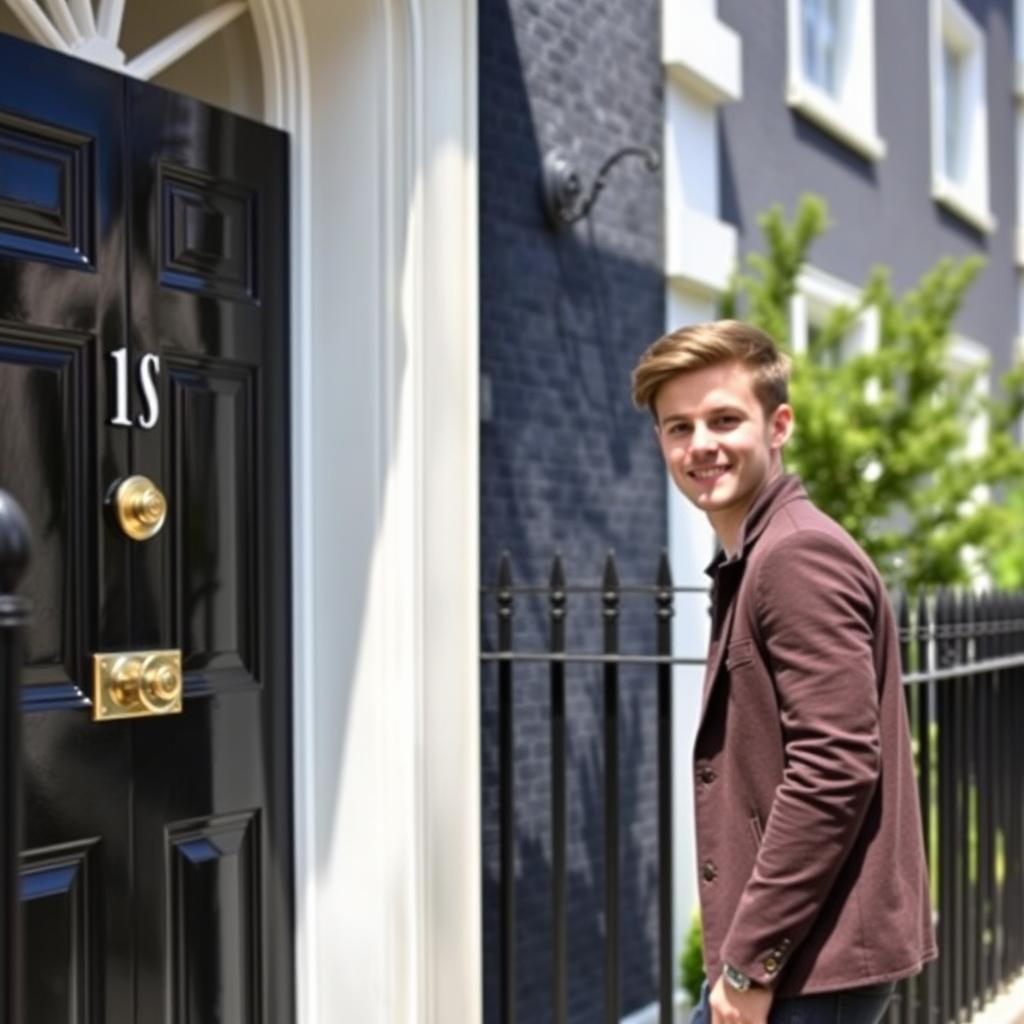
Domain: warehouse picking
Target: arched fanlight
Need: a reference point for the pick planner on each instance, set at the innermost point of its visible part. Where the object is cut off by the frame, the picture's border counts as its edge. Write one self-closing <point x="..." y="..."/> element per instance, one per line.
<point x="74" y="27"/>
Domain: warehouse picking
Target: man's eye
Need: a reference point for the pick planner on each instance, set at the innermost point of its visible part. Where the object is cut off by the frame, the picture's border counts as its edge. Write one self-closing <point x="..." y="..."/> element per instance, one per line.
<point x="727" y="421"/>
<point x="679" y="428"/>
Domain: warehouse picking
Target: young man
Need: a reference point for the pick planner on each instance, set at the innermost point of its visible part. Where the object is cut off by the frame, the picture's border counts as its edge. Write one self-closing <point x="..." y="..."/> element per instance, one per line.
<point x="813" y="885"/>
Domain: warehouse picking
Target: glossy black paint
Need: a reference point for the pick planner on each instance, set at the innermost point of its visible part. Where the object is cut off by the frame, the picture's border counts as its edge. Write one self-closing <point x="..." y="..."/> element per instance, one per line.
<point x="159" y="850"/>
<point x="14" y="552"/>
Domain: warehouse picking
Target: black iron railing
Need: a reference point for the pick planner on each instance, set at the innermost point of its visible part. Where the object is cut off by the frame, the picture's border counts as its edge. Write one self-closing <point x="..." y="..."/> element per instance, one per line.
<point x="963" y="658"/>
<point x="963" y="662"/>
<point x="660" y="598"/>
<point x="13" y="613"/>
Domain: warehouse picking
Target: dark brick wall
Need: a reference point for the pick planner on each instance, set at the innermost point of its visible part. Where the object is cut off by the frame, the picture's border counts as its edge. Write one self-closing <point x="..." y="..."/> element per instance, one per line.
<point x="566" y="463"/>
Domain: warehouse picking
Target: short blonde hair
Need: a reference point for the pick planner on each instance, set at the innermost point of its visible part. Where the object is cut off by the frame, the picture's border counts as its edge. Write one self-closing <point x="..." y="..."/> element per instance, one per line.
<point x="701" y="345"/>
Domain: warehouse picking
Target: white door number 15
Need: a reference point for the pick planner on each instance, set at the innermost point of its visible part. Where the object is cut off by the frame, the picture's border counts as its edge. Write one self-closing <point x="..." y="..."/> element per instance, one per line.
<point x="149" y="370"/>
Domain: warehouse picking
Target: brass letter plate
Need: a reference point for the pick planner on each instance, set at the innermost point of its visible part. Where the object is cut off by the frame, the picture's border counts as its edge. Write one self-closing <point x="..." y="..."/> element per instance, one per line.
<point x="136" y="684"/>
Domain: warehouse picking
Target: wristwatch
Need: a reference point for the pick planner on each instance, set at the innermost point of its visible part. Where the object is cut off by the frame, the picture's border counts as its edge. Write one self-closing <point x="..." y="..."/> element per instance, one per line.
<point x="736" y="979"/>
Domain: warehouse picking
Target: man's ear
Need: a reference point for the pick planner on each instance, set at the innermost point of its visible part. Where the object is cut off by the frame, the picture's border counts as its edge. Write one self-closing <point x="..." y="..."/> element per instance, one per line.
<point x="781" y="425"/>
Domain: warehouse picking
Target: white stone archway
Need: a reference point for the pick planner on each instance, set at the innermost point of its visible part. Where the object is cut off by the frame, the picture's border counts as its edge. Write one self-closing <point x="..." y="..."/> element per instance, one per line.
<point x="379" y="97"/>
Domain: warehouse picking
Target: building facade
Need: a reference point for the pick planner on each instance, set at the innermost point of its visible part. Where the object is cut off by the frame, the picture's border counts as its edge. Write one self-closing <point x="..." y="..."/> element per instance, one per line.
<point x="457" y="386"/>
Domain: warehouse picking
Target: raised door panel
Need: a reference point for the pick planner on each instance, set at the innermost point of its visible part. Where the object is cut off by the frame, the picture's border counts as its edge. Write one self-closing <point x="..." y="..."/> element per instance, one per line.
<point x="60" y="907"/>
<point x="47" y="184"/>
<point x="214" y="912"/>
<point x="210" y="428"/>
<point x="45" y="405"/>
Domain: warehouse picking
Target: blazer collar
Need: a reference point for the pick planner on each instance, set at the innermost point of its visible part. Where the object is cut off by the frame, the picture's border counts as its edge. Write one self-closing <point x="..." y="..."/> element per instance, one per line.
<point x="782" y="490"/>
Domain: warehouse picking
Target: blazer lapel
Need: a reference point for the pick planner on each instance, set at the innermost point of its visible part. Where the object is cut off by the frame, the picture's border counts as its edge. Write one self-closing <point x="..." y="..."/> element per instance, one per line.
<point x="729" y="576"/>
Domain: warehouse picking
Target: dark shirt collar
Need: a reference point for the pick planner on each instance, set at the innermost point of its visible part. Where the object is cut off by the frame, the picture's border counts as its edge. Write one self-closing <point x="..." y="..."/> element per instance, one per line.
<point x="782" y="490"/>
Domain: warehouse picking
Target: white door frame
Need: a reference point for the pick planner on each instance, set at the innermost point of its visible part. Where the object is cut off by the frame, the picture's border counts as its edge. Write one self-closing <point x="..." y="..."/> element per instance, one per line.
<point x="380" y="99"/>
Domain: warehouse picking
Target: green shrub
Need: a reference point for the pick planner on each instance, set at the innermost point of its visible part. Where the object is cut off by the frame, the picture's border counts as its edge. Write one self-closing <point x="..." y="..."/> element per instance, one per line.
<point x="691" y="959"/>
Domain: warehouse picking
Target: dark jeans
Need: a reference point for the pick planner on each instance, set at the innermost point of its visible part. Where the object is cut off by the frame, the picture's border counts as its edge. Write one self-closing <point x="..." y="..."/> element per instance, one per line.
<point x="853" y="1006"/>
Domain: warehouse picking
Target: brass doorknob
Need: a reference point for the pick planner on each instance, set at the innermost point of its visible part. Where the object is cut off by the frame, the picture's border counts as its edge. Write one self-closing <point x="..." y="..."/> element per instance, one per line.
<point x="134" y="684"/>
<point x="160" y="691"/>
<point x="123" y="686"/>
<point x="140" y="507"/>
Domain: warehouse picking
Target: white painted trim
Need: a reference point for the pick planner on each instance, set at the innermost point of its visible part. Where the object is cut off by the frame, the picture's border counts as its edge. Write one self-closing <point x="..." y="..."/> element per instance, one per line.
<point x="968" y="354"/>
<point x="701" y="53"/>
<point x="70" y="26"/>
<point x="448" y="764"/>
<point x="184" y="40"/>
<point x="381" y="102"/>
<point x="109" y="18"/>
<point x="37" y="24"/>
<point x="63" y="20"/>
<point x="850" y="115"/>
<point x="825" y="113"/>
<point x="700" y="251"/>
<point x="691" y="544"/>
<point x="280" y="36"/>
<point x="84" y="17"/>
<point x="817" y="294"/>
<point x="968" y="199"/>
<point x="964" y="205"/>
<point x="825" y="288"/>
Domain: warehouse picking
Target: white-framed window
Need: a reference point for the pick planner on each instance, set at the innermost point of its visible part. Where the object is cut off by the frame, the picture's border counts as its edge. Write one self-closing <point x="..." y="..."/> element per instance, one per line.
<point x="967" y="356"/>
<point x="959" y="114"/>
<point x="818" y="295"/>
<point x="831" y="69"/>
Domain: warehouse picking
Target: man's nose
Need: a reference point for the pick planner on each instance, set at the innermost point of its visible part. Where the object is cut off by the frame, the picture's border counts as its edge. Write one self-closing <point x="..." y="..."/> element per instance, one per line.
<point x="702" y="437"/>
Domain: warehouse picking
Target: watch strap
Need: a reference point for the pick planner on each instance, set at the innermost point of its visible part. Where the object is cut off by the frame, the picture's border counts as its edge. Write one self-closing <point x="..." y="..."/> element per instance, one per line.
<point x="736" y="979"/>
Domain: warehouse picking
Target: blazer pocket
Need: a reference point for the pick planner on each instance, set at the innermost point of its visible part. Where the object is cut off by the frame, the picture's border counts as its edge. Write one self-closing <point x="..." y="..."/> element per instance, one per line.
<point x="756" y="831"/>
<point x="740" y="652"/>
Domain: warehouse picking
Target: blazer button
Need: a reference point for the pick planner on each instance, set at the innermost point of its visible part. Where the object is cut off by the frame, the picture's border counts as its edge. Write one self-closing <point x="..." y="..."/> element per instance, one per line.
<point x="771" y="965"/>
<point x="706" y="775"/>
<point x="710" y="871"/>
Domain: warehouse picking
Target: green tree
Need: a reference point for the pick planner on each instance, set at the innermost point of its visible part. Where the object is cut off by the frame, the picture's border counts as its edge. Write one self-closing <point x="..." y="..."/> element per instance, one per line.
<point x="882" y="437"/>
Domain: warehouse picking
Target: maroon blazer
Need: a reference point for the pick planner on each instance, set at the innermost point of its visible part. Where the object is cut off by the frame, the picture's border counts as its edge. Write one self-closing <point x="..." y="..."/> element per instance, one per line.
<point x="809" y="847"/>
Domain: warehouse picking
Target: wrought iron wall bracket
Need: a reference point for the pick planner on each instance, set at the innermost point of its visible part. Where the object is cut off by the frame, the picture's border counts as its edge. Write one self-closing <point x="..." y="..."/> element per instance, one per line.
<point x="562" y="187"/>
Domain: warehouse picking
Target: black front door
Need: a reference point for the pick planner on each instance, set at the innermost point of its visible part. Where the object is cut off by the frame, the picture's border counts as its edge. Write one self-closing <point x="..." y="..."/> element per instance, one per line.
<point x="143" y="332"/>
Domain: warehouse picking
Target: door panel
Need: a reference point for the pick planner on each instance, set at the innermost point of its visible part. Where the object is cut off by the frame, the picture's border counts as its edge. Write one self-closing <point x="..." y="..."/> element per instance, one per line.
<point x="43" y="393"/>
<point x="157" y="876"/>
<point x="211" y="423"/>
<point x="214" y="900"/>
<point x="59" y="894"/>
<point x="46" y="191"/>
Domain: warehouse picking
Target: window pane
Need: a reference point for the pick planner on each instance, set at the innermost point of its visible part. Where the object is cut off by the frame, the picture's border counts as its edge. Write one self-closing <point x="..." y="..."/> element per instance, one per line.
<point x="821" y="43"/>
<point x="952" y="112"/>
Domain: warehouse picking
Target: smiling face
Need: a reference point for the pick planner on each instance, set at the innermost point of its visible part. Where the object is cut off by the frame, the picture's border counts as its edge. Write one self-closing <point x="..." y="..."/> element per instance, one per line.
<point x="719" y="446"/>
